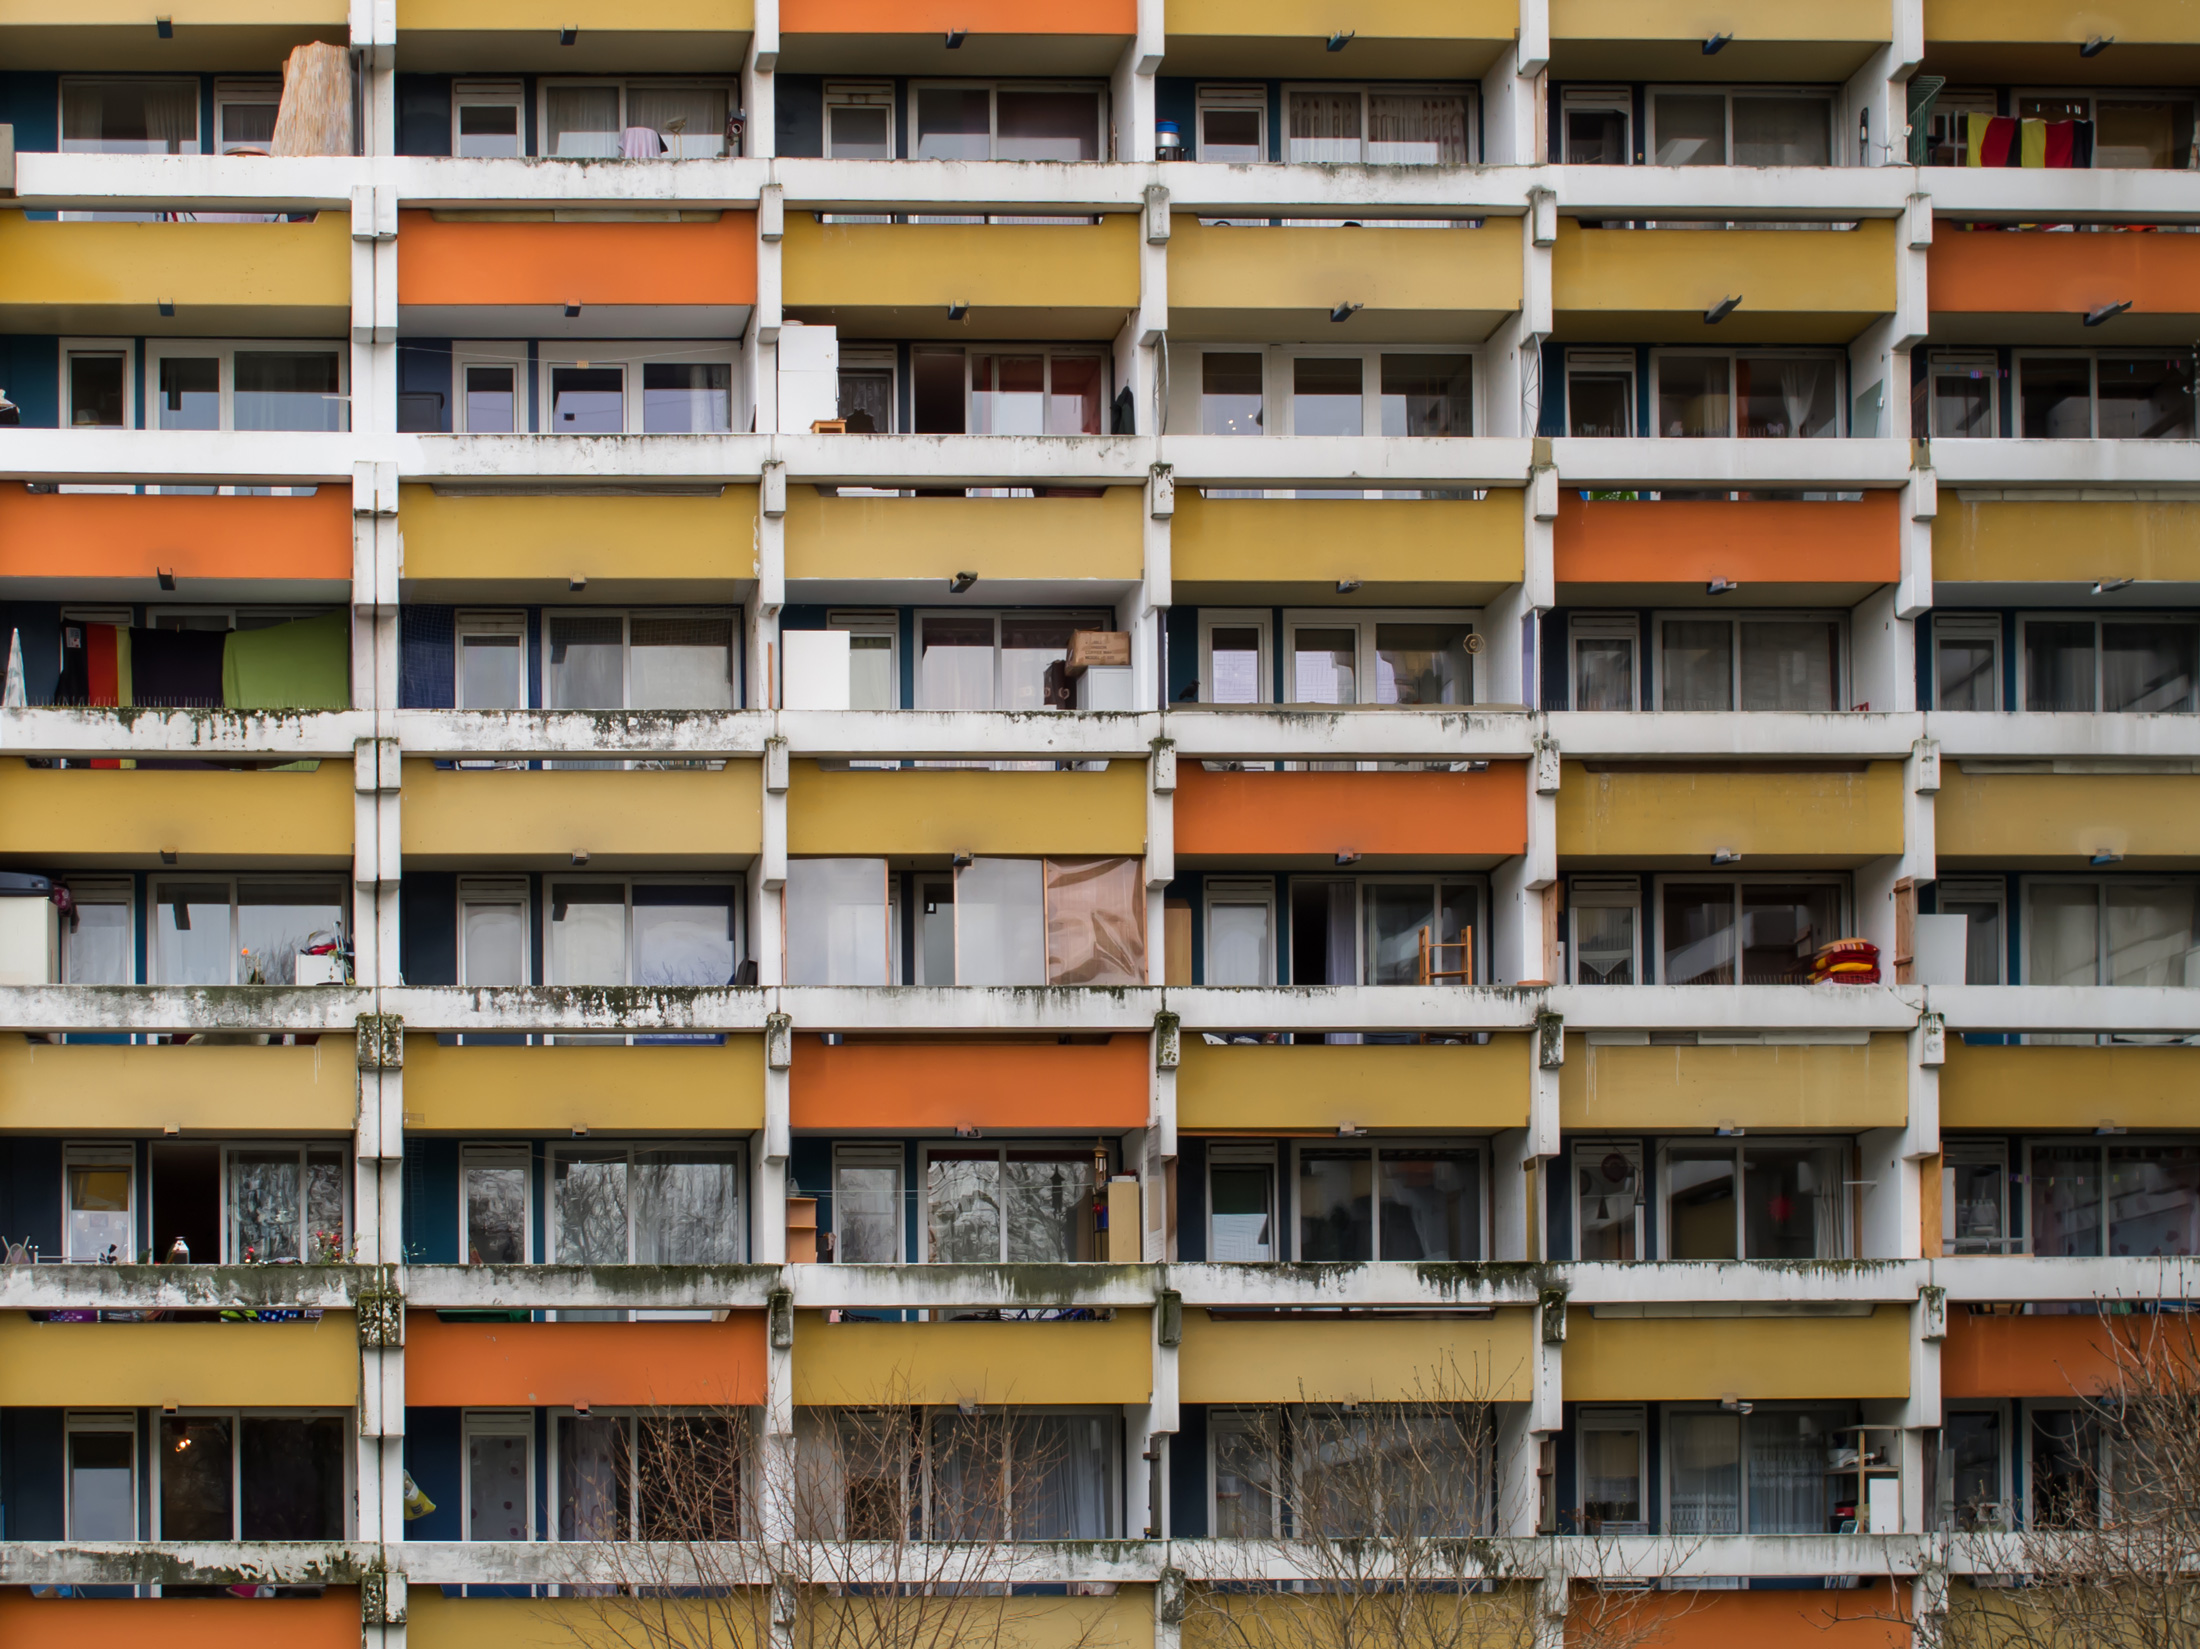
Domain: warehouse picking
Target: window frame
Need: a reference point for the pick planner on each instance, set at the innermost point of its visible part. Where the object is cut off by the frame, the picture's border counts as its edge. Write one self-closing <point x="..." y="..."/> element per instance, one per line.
<point x="1258" y="619"/>
<point x="126" y="348"/>
<point x="1943" y="1483"/>
<point x="626" y="616"/>
<point x="1051" y="352"/>
<point x="1738" y="879"/>
<point x="224" y="352"/>
<point x="859" y="357"/>
<point x="1603" y="626"/>
<point x="1739" y="1145"/>
<point x="1477" y="1144"/>
<point x="2029" y="1413"/>
<point x="2100" y="884"/>
<point x="1830" y="96"/>
<point x="488" y="621"/>
<point x="510" y="94"/>
<point x="732" y="882"/>
<point x="874" y="621"/>
<point x="631" y="361"/>
<point x="592" y="1146"/>
<point x="1981" y="890"/>
<point x="2134" y="615"/>
<point x="104" y="1423"/>
<point x="1989" y="1151"/>
<point x="1667" y="1452"/>
<point x="474" y="1423"/>
<point x="1604" y="893"/>
<point x="1468" y="91"/>
<point x="1366" y="622"/>
<point x="241" y="89"/>
<point x="1433" y="881"/>
<point x="1632" y="1149"/>
<point x="237" y="1415"/>
<point x="1239" y="1154"/>
<point x="1974" y="362"/>
<point x="861" y="94"/>
<point x="1234" y="98"/>
<point x="2094" y="358"/>
<point x="491" y="353"/>
<point x="305" y="1149"/>
<point x="494" y="1154"/>
<point x="1619" y="100"/>
<point x="857" y="1154"/>
<point x="993" y="86"/>
<point x="1101" y="618"/>
<point x="1247" y="891"/>
<point x="1619" y="1417"/>
<point x="99" y="1154"/>
<point x="1734" y="357"/>
<point x="1734" y="619"/>
<point x="91" y="146"/>
<point x="630" y="1419"/>
<point x="625" y="84"/>
<point x="1987" y="627"/>
<point x="102" y="890"/>
<point x="237" y="884"/>
<point x="1001" y="1147"/>
<point x="510" y="891"/>
<point x="1613" y="362"/>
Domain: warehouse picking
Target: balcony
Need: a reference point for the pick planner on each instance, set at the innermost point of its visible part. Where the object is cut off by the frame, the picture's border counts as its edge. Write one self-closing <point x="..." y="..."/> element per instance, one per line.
<point x="944" y="812"/>
<point x="1408" y="551"/>
<point x="1445" y="1086"/>
<point x="699" y="1089"/>
<point x="1401" y="39"/>
<point x="115" y="546"/>
<point x="2009" y="539"/>
<point x="1654" y="285"/>
<point x="1286" y="1359"/>
<point x="461" y="546"/>
<point x="910" y="1084"/>
<point x="1844" y="1086"/>
<point x="1434" y="820"/>
<point x="237" y="280"/>
<point x="2053" y="1357"/>
<point x="863" y="543"/>
<point x="327" y="1621"/>
<point x="2010" y="1088"/>
<point x="682" y="819"/>
<point x="110" y="820"/>
<point x="1259" y="284"/>
<point x="2037" y="287"/>
<point x="1822" y="40"/>
<point x="179" y="1365"/>
<point x="2018" y="815"/>
<point x="978" y="1362"/>
<point x="206" y="1089"/>
<point x="1024" y="37"/>
<point x="519" y="37"/>
<point x="1023" y="281"/>
<point x="1780" y="551"/>
<point x="1693" y="1358"/>
<point x="1675" y="816"/>
<point x="2037" y="40"/>
<point x="695" y="278"/>
<point x="539" y="1365"/>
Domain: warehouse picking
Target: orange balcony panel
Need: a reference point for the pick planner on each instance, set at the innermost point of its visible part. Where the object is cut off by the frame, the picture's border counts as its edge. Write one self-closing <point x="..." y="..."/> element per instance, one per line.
<point x="52" y="543"/>
<point x="938" y="1083"/>
<point x="978" y="17"/>
<point x="1082" y="37"/>
<point x="1981" y="281"/>
<point x="2024" y="1356"/>
<point x="683" y="279"/>
<point x="1434" y="819"/>
<point x="457" y="1364"/>
<point x="1868" y="1619"/>
<point x="330" y="1621"/>
<point x="1812" y="551"/>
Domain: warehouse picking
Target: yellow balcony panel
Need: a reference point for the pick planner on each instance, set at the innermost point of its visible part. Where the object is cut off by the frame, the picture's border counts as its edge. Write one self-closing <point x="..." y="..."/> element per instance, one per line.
<point x="1278" y="285"/>
<point x="1671" y="816"/>
<point x="940" y="812"/>
<point x="1822" y="40"/>
<point x="241" y="280"/>
<point x="693" y="1089"/>
<point x="461" y="546"/>
<point x="1372" y="1359"/>
<point x="1654" y="285"/>
<point x="1262" y="1088"/>
<point x="896" y="280"/>
<point x="521" y="36"/>
<point x="1823" y="1085"/>
<point x="109" y="818"/>
<point x="1762" y="1359"/>
<point x="2036" y="41"/>
<point x="977" y="1362"/>
<point x="1396" y="39"/>
<point x="298" y="1090"/>
<point x="2019" y="541"/>
<point x="2010" y="1088"/>
<point x="155" y="1365"/>
<point x="928" y="540"/>
<point x="1999" y="815"/>
<point x="1400" y="550"/>
<point x="116" y="36"/>
<point x="677" y="819"/>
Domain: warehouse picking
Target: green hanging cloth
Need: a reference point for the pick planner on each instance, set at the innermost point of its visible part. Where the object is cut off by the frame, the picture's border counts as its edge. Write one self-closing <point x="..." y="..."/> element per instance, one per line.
<point x="302" y="665"/>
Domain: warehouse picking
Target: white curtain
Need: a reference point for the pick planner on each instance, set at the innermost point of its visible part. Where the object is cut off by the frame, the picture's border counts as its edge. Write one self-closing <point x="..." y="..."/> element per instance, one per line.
<point x="1325" y="126"/>
<point x="1707" y="1474"/>
<point x="584" y="122"/>
<point x="1799" y="381"/>
<point x="1059" y="1474"/>
<point x="1787" y="1481"/>
<point x="837" y="927"/>
<point x="1416" y="130"/>
<point x="701" y="108"/>
<point x="1000" y="922"/>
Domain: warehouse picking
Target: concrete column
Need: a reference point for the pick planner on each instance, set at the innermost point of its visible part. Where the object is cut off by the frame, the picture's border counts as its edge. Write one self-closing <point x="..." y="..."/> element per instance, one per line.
<point x="760" y="142"/>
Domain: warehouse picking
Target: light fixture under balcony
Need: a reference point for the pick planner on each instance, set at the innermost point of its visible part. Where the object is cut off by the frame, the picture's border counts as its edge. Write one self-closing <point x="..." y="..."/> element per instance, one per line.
<point x="2107" y="312"/>
<point x="1350" y="1130"/>
<point x="1345" y="311"/>
<point x="1341" y="39"/>
<point x="1347" y="856"/>
<point x="164" y="28"/>
<point x="166" y="577"/>
<point x="573" y="311"/>
<point x="167" y="308"/>
<point x="1737" y="1405"/>
<point x="961" y="583"/>
<point x="576" y="584"/>
<point x="1721" y="586"/>
<point x="958" y="311"/>
<point x="168" y="857"/>
<point x="1348" y="586"/>
<point x="955" y="39"/>
<point x="2095" y="44"/>
<point x="1716" y="44"/>
<point x="2104" y="857"/>
<point x="580" y="858"/>
<point x="569" y="37"/>
<point x="1720" y="310"/>
<point x="2109" y="586"/>
<point x="961" y="861"/>
<point x="1725" y="856"/>
<point x="2108" y="1130"/>
<point x="966" y="1130"/>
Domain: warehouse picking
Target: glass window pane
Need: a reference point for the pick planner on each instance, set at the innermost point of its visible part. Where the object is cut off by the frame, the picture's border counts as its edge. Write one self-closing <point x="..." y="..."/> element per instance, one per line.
<point x="955" y="663"/>
<point x="1230" y="394"/>
<point x="687" y="1208"/>
<point x="264" y="1208"/>
<point x="587" y="400"/>
<point x="1423" y="664"/>
<point x="1790" y="664"/>
<point x="1783" y="928"/>
<point x="2141" y="132"/>
<point x="1963" y="402"/>
<point x="190" y="392"/>
<point x="1233" y="661"/>
<point x="1982" y="939"/>
<point x="2148" y="666"/>
<point x="2147" y="399"/>
<point x="2153" y="1200"/>
<point x="936" y="390"/>
<point x="1428" y="394"/>
<point x="1600" y="403"/>
<point x="1048" y="1203"/>
<point x="1786" y="398"/>
<point x="690" y="120"/>
<point x="1706" y="1473"/>
<point x="1596" y="137"/>
<point x="288" y="389"/>
<point x="1693" y="397"/>
<point x="1608" y="1185"/>
<point x="594" y="1477"/>
<point x="1048" y="125"/>
<point x="1974" y="1197"/>
<point x="492" y="404"/>
<point x="1326" y="395"/>
<point x="866" y="1214"/>
<point x="1696" y="664"/>
<point x="487" y="131"/>
<point x="278" y="920"/>
<point x="587" y="662"/>
<point x="867" y="400"/>
<point x="1416" y="129"/>
<point x="496" y="1485"/>
<point x="837" y="922"/>
<point x="1008" y="395"/>
<point x="1398" y="915"/>
<point x="1073" y="400"/>
<point x="1000" y="922"/>
<point x="588" y="1200"/>
<point x="99" y="1213"/>
<point x="1971" y="1444"/>
<point x="1780" y="131"/>
<point x="954" y="123"/>
<point x="1604" y="945"/>
<point x="1698" y="934"/>
<point x="496" y="1214"/>
<point x="197" y="1481"/>
<point x="871" y="681"/>
<point x="1324" y="127"/>
<point x="1611" y="1477"/>
<point x="1431" y="1205"/>
<point x="1969" y="672"/>
<point x="682" y="937"/>
<point x="2065" y="1182"/>
<point x="1691" y="130"/>
<point x="1239" y="945"/>
<point x="1061" y="1479"/>
<point x="1700" y="1192"/>
<point x="327" y="1186"/>
<point x="859" y="133"/>
<point x="1246" y="1473"/>
<point x="1604" y="673"/>
<point x="681" y="661"/>
<point x="687" y="397"/>
<point x="493" y="937"/>
<point x="95" y="391"/>
<point x="963" y="1208"/>
<point x="1241" y="1221"/>
<point x="2150" y="933"/>
<point x="191" y="934"/>
<point x="1336" y="1205"/>
<point x="130" y="117"/>
<point x="1788" y="1486"/>
<point x="2058" y="664"/>
<point x="2062" y="934"/>
<point x="936" y="932"/>
<point x="2055" y="397"/>
<point x="98" y="947"/>
<point x="102" y="1504"/>
<point x="1791" y="1207"/>
<point x="491" y="672"/>
<point x="1322" y="669"/>
<point x="1231" y="137"/>
<point x="584" y="122"/>
<point x="2066" y="1479"/>
<point x="586" y="944"/>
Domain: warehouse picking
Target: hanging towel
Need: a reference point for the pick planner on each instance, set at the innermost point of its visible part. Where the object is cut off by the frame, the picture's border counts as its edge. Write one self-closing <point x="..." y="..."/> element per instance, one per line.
<point x="2081" y="144"/>
<point x="302" y="665"/>
<point x="178" y="669"/>
<point x="1991" y="140"/>
<point x="314" y="117"/>
<point x="2061" y="135"/>
<point x="2031" y="143"/>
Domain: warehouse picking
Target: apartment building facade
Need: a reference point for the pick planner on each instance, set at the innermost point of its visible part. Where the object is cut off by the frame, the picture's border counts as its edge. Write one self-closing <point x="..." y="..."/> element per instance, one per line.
<point x="1163" y="701"/>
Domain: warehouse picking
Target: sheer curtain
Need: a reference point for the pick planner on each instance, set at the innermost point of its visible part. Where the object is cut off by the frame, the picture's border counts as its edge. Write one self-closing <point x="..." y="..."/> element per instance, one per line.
<point x="1707" y="1474"/>
<point x="1408" y="130"/>
<point x="1059" y="1474"/>
<point x="1787" y="1484"/>
<point x="1000" y="923"/>
<point x="1325" y="126"/>
<point x="584" y="122"/>
<point x="172" y="118"/>
<point x="1799" y="395"/>
<point x="2150" y="934"/>
<point x="837" y="922"/>
<point x="702" y="108"/>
